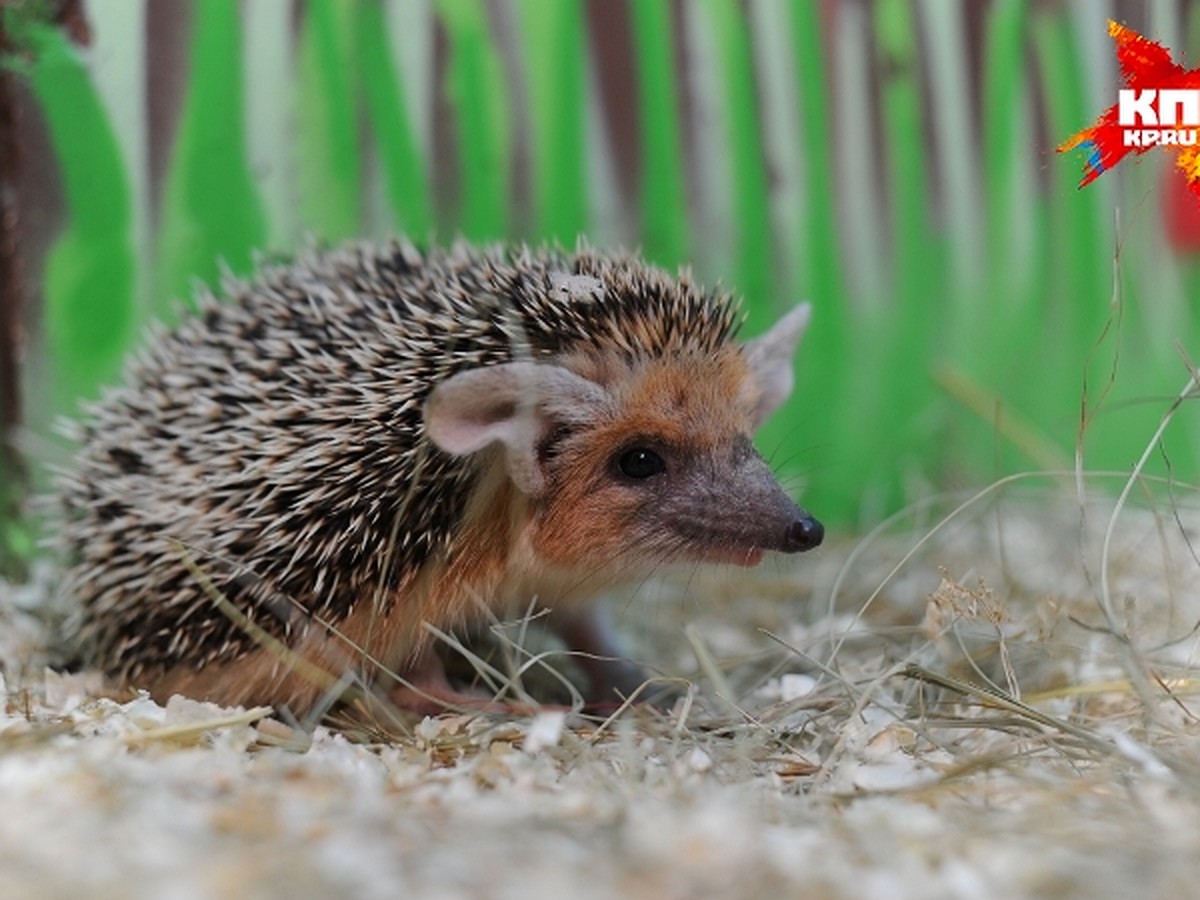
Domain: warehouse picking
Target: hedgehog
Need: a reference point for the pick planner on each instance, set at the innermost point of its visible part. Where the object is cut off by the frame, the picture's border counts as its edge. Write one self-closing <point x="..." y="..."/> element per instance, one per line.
<point x="297" y="484"/>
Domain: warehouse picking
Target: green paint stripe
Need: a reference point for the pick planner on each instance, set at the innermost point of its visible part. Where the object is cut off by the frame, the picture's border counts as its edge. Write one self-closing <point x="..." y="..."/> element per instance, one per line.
<point x="663" y="197"/>
<point x="89" y="288"/>
<point x="404" y="169"/>
<point x="554" y="53"/>
<point x="211" y="215"/>
<point x="476" y="90"/>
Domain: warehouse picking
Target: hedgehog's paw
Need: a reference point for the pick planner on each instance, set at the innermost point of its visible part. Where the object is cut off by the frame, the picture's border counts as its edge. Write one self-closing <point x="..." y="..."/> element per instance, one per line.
<point x="425" y="691"/>
<point x="616" y="682"/>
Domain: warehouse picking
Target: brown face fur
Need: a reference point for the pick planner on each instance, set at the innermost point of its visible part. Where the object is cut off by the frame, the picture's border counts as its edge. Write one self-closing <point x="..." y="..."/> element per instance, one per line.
<point x="695" y="414"/>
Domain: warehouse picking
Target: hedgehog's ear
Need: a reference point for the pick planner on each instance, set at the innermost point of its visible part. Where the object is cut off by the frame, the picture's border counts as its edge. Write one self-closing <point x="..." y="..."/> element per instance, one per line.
<point x="769" y="357"/>
<point x="515" y="404"/>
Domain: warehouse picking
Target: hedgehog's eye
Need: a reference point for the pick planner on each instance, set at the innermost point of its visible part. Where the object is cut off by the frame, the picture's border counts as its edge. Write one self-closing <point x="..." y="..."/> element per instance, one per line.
<point x="641" y="462"/>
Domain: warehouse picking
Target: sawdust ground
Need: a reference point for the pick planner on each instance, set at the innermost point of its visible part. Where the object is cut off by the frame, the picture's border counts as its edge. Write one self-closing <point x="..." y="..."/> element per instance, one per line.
<point x="981" y="706"/>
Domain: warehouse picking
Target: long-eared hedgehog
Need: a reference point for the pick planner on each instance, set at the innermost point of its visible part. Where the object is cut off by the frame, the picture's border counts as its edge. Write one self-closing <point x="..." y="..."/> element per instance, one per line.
<point x="294" y="480"/>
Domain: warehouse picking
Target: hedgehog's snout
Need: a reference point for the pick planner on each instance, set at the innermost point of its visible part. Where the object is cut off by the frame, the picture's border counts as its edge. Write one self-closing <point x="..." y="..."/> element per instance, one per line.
<point x="804" y="533"/>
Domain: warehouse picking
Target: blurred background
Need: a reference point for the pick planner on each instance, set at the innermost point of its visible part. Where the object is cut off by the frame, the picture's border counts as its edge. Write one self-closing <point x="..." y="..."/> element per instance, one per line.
<point x="892" y="161"/>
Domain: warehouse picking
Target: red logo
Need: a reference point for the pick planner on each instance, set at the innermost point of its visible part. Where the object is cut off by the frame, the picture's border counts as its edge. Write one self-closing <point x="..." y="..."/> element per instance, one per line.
<point x="1160" y="107"/>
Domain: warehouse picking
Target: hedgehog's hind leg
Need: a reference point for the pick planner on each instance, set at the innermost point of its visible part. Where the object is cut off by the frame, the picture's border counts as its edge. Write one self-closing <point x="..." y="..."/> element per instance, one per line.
<point x="255" y="678"/>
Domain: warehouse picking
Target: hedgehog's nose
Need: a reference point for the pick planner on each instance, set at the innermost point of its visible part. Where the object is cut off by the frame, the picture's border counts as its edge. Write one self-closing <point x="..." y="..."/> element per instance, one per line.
<point x="803" y="534"/>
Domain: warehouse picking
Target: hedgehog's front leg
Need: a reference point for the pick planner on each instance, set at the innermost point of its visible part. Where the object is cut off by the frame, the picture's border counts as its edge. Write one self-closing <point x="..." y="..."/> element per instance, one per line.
<point x="424" y="688"/>
<point x="612" y="678"/>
